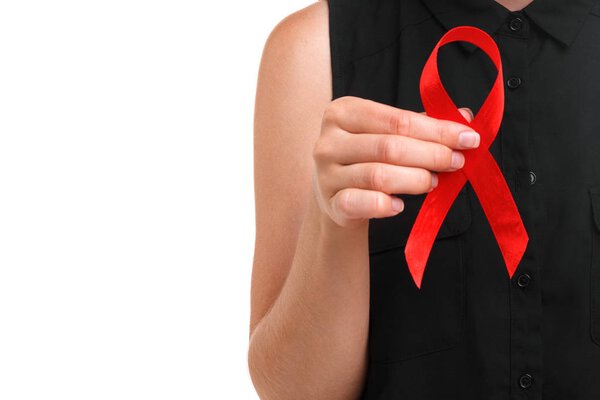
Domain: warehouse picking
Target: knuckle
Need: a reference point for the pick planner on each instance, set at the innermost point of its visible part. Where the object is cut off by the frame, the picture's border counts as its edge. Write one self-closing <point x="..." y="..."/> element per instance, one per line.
<point x="389" y="149"/>
<point x="329" y="114"/>
<point x="379" y="204"/>
<point x="447" y="133"/>
<point x="399" y="122"/>
<point x="344" y="201"/>
<point x="440" y="131"/>
<point x="334" y="111"/>
<point x="320" y="150"/>
<point x="424" y="179"/>
<point x="376" y="177"/>
<point x="344" y="99"/>
<point x="442" y="157"/>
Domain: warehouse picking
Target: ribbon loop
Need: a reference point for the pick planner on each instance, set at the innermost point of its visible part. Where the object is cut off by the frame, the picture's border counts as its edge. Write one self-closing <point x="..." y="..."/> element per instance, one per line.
<point x="480" y="168"/>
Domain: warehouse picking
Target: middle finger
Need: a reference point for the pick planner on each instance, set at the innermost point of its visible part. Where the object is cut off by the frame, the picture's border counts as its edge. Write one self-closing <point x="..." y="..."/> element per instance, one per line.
<point x="398" y="150"/>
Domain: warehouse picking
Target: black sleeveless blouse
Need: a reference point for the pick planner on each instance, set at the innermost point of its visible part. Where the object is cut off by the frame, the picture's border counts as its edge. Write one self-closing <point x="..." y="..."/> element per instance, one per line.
<point x="471" y="332"/>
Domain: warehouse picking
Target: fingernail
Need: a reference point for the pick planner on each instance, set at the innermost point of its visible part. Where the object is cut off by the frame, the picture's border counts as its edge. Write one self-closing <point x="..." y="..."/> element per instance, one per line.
<point x="468" y="139"/>
<point x="458" y="159"/>
<point x="397" y="204"/>
<point x="434" y="180"/>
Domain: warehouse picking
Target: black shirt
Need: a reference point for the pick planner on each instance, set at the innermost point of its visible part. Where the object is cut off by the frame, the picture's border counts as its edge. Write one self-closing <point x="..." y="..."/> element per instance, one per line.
<point x="470" y="332"/>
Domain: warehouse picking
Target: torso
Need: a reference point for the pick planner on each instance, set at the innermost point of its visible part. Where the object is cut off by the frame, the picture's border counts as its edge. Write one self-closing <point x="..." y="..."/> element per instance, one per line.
<point x="470" y="332"/>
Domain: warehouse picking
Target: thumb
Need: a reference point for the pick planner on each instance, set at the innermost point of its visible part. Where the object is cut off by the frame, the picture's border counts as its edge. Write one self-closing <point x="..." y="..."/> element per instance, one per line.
<point x="467" y="113"/>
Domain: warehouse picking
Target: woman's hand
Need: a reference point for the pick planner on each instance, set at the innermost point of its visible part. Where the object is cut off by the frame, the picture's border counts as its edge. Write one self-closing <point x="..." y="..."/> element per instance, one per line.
<point x="368" y="151"/>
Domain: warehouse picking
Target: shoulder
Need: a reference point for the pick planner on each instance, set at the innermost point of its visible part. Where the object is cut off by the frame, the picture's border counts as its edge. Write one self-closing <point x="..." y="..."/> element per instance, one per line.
<point x="308" y="17"/>
<point x="303" y="21"/>
<point x="295" y="68"/>
<point x="299" y="38"/>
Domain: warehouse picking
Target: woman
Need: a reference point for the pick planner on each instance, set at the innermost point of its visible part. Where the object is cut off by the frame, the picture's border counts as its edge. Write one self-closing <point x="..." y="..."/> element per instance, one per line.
<point x="344" y="157"/>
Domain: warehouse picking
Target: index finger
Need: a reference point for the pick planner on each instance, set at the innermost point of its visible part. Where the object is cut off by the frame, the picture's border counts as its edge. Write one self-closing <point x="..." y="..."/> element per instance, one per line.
<point x="359" y="115"/>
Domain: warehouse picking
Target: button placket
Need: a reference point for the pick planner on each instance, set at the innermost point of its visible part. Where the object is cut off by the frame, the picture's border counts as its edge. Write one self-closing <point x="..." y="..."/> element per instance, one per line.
<point x="525" y="297"/>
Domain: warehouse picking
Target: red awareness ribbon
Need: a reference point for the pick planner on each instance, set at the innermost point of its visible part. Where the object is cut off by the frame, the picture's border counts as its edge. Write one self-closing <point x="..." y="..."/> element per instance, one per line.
<point x="480" y="168"/>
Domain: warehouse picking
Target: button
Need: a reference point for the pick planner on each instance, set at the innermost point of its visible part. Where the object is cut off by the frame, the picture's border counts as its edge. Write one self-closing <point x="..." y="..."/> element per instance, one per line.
<point x="514" y="82"/>
<point x="532" y="177"/>
<point x="523" y="280"/>
<point x="525" y="381"/>
<point x="515" y="24"/>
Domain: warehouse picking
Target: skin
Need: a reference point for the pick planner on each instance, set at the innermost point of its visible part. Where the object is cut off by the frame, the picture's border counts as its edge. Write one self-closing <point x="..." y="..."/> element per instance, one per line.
<point x="322" y="168"/>
<point x="514" y="5"/>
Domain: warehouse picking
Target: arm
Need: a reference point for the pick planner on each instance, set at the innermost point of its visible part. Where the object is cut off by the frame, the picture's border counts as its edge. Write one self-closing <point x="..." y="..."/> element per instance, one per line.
<point x="309" y="331"/>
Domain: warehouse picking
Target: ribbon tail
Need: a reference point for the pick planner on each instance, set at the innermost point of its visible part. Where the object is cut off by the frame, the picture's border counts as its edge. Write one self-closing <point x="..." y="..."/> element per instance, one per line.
<point x="500" y="209"/>
<point x="432" y="213"/>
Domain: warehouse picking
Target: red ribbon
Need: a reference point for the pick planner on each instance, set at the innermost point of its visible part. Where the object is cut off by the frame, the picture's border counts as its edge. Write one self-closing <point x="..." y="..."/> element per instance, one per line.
<point x="480" y="167"/>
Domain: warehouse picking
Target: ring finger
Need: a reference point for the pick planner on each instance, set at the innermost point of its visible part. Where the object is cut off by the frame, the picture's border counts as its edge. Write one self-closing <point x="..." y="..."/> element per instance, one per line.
<point x="386" y="178"/>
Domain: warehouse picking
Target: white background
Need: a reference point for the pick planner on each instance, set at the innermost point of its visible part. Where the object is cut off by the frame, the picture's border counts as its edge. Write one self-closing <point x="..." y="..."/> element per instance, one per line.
<point x="126" y="196"/>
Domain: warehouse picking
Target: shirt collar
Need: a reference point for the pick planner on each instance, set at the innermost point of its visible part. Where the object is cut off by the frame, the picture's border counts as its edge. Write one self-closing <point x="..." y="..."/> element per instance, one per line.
<point x="561" y="19"/>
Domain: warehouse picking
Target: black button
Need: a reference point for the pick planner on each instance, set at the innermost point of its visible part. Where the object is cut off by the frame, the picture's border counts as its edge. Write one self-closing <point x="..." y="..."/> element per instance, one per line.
<point x="514" y="82"/>
<point x="532" y="177"/>
<point x="523" y="280"/>
<point x="525" y="381"/>
<point x="515" y="24"/>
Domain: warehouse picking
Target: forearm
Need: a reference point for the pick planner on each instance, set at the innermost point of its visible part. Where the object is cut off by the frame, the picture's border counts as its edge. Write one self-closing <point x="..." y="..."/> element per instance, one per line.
<point x="312" y="344"/>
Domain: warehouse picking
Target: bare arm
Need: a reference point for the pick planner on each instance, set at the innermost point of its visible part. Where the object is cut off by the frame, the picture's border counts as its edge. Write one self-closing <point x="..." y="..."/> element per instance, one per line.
<point x="312" y="342"/>
<point x="317" y="182"/>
